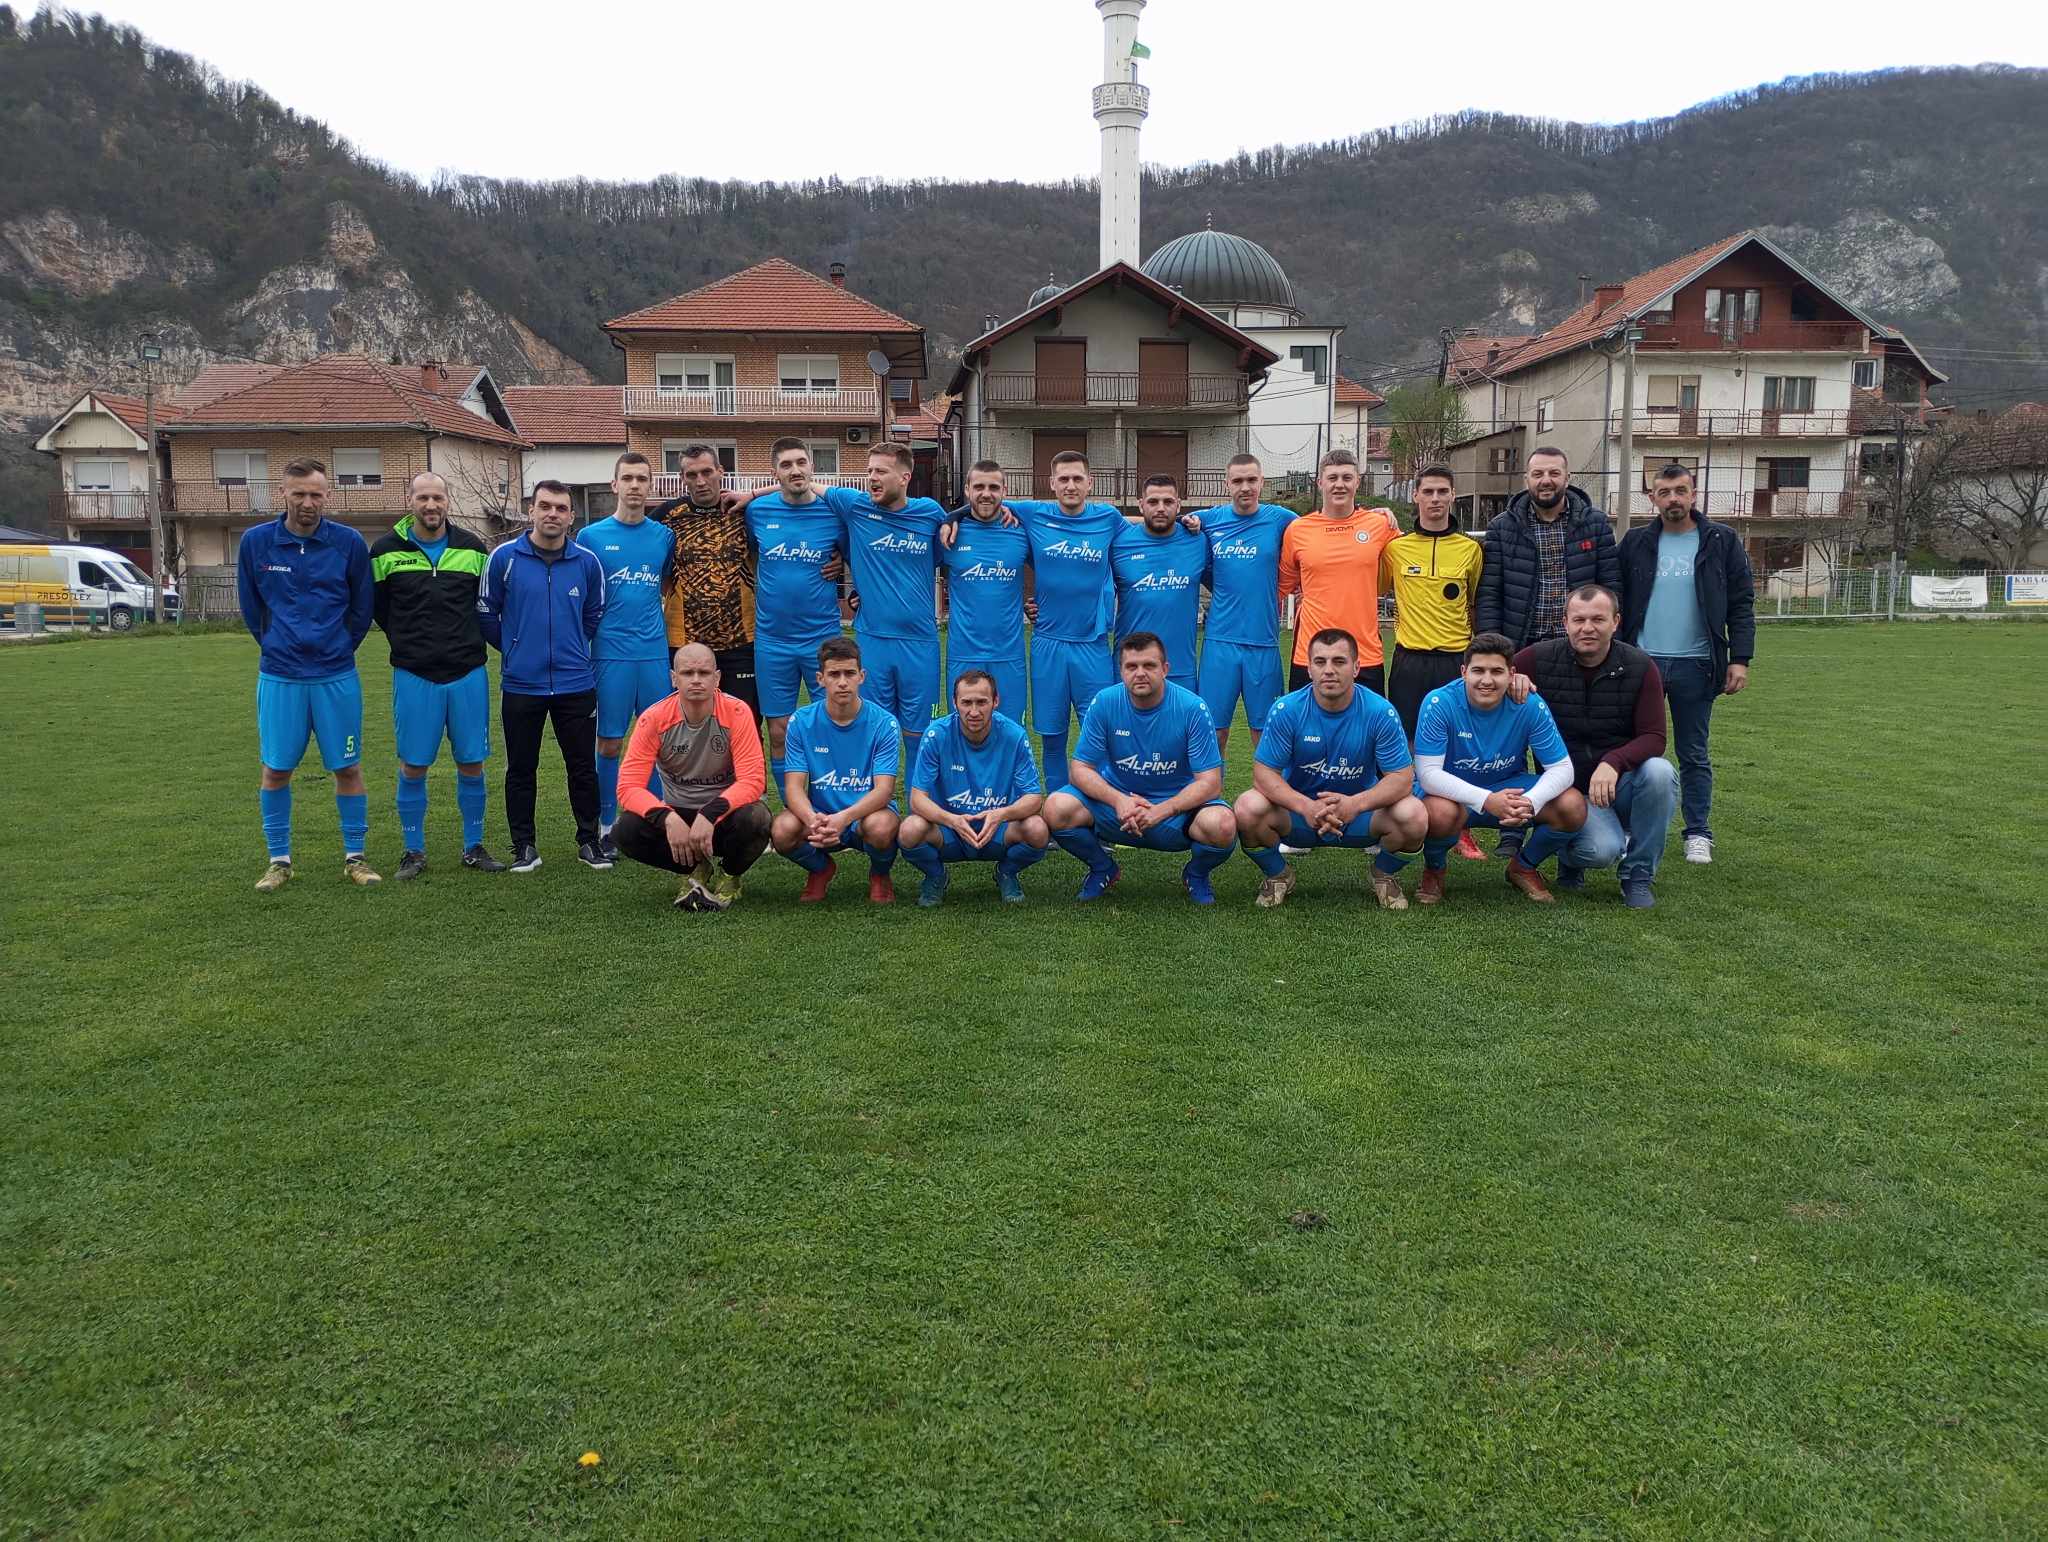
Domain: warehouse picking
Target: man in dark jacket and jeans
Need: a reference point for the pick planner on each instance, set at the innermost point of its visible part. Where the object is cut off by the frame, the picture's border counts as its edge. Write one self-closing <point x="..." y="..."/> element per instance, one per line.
<point x="1548" y="542"/>
<point x="1688" y="600"/>
<point x="1608" y="700"/>
<point x="542" y="598"/>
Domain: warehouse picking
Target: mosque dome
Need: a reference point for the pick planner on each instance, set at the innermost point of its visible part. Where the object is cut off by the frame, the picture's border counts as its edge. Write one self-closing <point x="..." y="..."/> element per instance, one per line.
<point x="1212" y="268"/>
<point x="1044" y="292"/>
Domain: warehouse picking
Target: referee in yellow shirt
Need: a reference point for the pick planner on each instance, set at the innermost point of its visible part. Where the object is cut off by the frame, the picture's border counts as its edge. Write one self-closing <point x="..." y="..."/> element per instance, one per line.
<point x="1433" y="574"/>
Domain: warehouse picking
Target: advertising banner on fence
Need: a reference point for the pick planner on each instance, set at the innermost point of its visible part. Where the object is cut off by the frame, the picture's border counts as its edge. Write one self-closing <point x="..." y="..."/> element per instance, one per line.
<point x="2026" y="588"/>
<point x="1966" y="592"/>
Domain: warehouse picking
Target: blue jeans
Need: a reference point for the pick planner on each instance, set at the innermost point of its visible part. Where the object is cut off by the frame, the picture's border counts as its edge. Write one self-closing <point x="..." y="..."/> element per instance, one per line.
<point x="1629" y="831"/>
<point x="1689" y="687"/>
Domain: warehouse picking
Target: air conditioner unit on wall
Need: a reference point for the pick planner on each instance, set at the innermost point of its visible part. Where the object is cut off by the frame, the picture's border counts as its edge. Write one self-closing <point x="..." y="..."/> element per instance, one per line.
<point x="858" y="435"/>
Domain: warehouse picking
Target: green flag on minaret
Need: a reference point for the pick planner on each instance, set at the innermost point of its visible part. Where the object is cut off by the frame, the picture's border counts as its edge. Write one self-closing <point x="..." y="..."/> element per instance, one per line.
<point x="1139" y="50"/>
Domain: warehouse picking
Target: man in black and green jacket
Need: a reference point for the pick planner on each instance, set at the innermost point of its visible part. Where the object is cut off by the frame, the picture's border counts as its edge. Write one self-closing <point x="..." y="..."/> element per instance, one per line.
<point x="427" y="574"/>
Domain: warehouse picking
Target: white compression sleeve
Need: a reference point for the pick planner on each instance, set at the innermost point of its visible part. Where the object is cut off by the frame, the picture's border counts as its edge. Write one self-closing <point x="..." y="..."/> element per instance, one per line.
<point x="1556" y="777"/>
<point x="1435" y="779"/>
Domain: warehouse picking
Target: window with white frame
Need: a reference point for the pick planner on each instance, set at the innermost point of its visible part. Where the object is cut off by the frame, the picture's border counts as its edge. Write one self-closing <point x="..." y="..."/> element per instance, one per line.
<point x="672" y="455"/>
<point x="692" y="371"/>
<point x="241" y="468"/>
<point x="99" y="476"/>
<point x="1674" y="393"/>
<point x="504" y="468"/>
<point x="824" y="456"/>
<point x="811" y="373"/>
<point x="1314" y="359"/>
<point x="359" y="468"/>
<point x="1546" y="413"/>
<point x="1866" y="374"/>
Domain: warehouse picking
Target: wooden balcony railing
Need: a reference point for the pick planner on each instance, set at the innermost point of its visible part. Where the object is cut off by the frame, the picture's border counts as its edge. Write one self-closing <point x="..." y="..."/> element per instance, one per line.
<point x="1118" y="388"/>
<point x="1694" y="335"/>
<point x="1735" y="423"/>
<point x="855" y="404"/>
<point x="86" y="506"/>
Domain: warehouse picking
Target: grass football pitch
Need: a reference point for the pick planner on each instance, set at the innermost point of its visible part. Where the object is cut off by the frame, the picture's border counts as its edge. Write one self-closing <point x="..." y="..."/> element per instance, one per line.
<point x="352" y="1213"/>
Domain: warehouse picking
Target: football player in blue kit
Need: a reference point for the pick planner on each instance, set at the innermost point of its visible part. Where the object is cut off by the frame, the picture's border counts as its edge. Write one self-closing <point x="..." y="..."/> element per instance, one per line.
<point x="1472" y="743"/>
<point x="1240" y="643"/>
<point x="794" y="536"/>
<point x="1158" y="566"/>
<point x="975" y="794"/>
<point x="1146" y="772"/>
<point x="985" y="572"/>
<point x="630" y="651"/>
<point x="1331" y="769"/>
<point x="843" y="757"/>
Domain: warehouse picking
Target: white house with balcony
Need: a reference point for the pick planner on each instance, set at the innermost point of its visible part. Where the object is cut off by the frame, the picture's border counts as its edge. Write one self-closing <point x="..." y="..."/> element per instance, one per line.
<point x="1138" y="377"/>
<point x="1747" y="369"/>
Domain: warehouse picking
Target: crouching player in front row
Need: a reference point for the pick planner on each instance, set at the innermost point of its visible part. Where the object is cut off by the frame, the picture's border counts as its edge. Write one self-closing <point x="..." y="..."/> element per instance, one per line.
<point x="1472" y="744"/>
<point x="708" y="751"/>
<point x="1332" y="769"/>
<point x="974" y="794"/>
<point x="842" y="758"/>
<point x="1146" y="772"/>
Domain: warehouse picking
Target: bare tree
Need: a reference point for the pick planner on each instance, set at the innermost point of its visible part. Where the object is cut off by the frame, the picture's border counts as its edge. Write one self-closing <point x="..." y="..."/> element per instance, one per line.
<point x="1994" y="493"/>
<point x="1426" y="419"/>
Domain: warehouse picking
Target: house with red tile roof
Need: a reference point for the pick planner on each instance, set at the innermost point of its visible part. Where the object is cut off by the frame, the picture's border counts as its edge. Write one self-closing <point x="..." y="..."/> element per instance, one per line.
<point x="224" y="438"/>
<point x="770" y="352"/>
<point x="1352" y="429"/>
<point x="578" y="433"/>
<point x="1746" y="366"/>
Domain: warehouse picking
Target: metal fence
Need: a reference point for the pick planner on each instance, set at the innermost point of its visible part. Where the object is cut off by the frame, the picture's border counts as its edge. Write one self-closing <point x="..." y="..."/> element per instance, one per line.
<point x="1882" y="594"/>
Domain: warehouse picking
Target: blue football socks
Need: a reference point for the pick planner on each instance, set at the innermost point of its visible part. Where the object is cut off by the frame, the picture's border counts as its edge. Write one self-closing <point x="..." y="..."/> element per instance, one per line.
<point x="471" y="798"/>
<point x="1204" y="859"/>
<point x="1267" y="859"/>
<point x="412" y="811"/>
<point x="276" y="804"/>
<point x="607" y="790"/>
<point x="1542" y="843"/>
<point x="925" y="859"/>
<point x="1055" y="746"/>
<point x="1082" y="844"/>
<point x="354" y="808"/>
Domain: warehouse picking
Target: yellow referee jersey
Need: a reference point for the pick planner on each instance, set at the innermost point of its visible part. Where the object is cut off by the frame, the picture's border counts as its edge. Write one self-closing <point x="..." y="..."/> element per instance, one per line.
<point x="1434" y="580"/>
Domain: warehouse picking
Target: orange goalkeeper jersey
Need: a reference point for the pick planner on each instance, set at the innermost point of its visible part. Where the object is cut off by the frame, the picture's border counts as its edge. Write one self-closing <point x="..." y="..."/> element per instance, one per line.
<point x="1334" y="564"/>
<point x="717" y="761"/>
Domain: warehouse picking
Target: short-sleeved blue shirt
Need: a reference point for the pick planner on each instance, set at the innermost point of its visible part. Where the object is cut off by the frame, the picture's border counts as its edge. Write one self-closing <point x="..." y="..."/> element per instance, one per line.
<point x="1154" y="753"/>
<point x="1244" y="573"/>
<point x="794" y="603"/>
<point x="634" y="558"/>
<point x="1159" y="588"/>
<point x="1486" y="749"/>
<point x="1070" y="556"/>
<point x="893" y="555"/>
<point x="964" y="777"/>
<point x="985" y="590"/>
<point x="1319" y="751"/>
<point x="842" y="762"/>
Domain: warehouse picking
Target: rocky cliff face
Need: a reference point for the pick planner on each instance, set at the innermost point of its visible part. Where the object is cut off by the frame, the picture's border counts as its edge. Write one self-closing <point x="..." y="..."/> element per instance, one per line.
<point x="354" y="298"/>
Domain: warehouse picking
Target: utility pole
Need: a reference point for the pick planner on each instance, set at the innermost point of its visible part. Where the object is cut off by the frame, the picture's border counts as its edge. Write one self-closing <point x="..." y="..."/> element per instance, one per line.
<point x="1443" y="360"/>
<point x="1898" y="509"/>
<point x="1628" y="425"/>
<point x="149" y="354"/>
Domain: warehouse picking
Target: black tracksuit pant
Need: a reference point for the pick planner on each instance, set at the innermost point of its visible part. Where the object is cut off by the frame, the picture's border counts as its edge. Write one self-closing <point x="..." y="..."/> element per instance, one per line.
<point x="575" y="720"/>
<point x="737" y="840"/>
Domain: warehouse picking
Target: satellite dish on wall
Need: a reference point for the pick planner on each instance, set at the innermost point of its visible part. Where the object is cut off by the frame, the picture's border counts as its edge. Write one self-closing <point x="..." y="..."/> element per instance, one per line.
<point x="878" y="361"/>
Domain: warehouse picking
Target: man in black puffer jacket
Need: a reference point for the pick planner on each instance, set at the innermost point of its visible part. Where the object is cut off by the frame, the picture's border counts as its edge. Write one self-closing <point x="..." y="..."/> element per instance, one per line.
<point x="1545" y="544"/>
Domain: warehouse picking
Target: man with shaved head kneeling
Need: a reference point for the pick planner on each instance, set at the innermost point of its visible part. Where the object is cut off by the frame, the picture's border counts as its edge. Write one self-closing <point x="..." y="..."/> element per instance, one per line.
<point x="709" y="823"/>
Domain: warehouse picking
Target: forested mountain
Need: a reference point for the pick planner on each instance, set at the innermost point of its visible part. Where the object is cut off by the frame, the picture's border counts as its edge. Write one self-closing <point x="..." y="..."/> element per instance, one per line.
<point x="139" y="189"/>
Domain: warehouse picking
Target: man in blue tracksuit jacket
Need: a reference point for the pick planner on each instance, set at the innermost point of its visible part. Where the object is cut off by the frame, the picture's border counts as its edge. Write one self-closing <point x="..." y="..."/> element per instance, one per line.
<point x="307" y="597"/>
<point x="542" y="598"/>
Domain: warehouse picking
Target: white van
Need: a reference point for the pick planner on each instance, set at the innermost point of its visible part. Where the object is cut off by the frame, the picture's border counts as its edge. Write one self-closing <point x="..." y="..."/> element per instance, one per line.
<point x="78" y="586"/>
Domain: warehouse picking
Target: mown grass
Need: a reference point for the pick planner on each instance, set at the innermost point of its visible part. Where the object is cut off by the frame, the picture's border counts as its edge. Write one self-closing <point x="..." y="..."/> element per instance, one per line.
<point x="366" y="1213"/>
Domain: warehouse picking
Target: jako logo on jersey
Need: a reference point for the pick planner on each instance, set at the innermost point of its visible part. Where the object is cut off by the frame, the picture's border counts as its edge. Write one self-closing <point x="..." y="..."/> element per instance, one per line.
<point x="915" y="545"/>
<point x="988" y="572"/>
<point x="795" y="551"/>
<point x="1078" y="549"/>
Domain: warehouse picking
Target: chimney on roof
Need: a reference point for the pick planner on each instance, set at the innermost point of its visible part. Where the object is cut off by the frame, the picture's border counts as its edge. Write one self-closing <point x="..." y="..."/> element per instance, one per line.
<point x="1469" y="332"/>
<point x="433" y="375"/>
<point x="1605" y="298"/>
<point x="837" y="273"/>
<point x="1492" y="354"/>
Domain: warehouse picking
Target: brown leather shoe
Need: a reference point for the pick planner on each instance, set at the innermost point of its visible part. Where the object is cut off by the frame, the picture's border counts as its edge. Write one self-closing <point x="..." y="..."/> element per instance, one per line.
<point x="1430" y="891"/>
<point x="1529" y="880"/>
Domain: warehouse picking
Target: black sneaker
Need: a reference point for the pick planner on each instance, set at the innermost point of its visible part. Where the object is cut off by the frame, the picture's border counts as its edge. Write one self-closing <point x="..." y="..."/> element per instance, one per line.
<point x="410" y="865"/>
<point x="1636" y="894"/>
<point x="1569" y="877"/>
<point x="608" y="846"/>
<point x="525" y="859"/>
<point x="483" y="862"/>
<point x="591" y="855"/>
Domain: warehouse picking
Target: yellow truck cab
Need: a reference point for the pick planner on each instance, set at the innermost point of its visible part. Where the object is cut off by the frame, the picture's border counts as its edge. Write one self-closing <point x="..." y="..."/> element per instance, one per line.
<point x="77" y="586"/>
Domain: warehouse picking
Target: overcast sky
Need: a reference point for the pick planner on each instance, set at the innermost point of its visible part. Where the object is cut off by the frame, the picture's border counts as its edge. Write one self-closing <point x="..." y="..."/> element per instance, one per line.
<point x="785" y="89"/>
